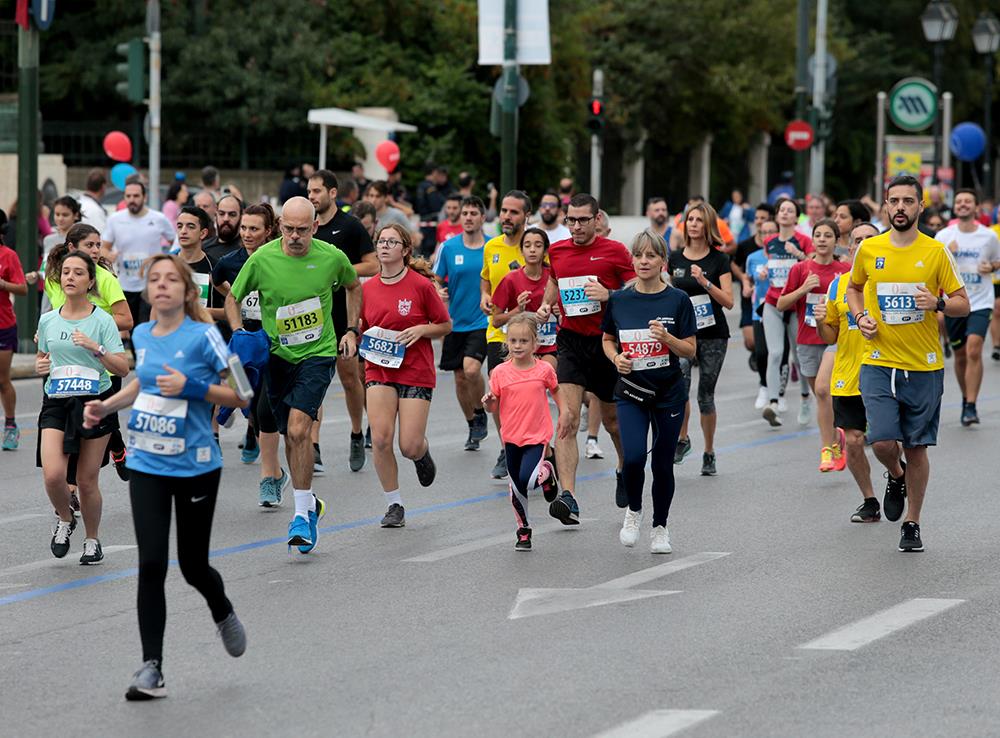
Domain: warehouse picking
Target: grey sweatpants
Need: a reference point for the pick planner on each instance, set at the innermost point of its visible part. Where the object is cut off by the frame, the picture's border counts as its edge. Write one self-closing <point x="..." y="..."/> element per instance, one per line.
<point x="775" y="329"/>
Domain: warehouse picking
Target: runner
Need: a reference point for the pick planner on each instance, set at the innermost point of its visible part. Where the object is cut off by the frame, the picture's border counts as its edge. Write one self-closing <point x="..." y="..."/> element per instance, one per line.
<point x="738" y="264"/>
<point x="701" y="270"/>
<point x="451" y="224"/>
<point x="401" y="314"/>
<point x="174" y="459"/>
<point x="585" y="269"/>
<point x="895" y="282"/>
<point x="645" y="325"/>
<point x="836" y="324"/>
<point x="808" y="283"/>
<point x="295" y="276"/>
<point x="976" y="251"/>
<point x="11" y="283"/>
<point x="550" y="217"/>
<point x="78" y="345"/>
<point x="756" y="270"/>
<point x="459" y="264"/>
<point x="848" y="216"/>
<point x="518" y="393"/>
<point x="193" y="226"/>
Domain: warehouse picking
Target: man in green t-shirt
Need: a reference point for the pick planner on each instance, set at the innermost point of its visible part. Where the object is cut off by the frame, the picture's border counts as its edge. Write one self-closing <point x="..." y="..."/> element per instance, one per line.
<point x="294" y="276"/>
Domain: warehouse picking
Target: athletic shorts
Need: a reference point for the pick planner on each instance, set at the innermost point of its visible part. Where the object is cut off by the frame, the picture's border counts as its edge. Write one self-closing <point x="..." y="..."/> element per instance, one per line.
<point x="8" y="337"/>
<point x="495" y="355"/>
<point x="138" y="307"/>
<point x="902" y="405"/>
<point x="461" y="344"/>
<point x="746" y="312"/>
<point x="66" y="414"/>
<point x="975" y="323"/>
<point x="580" y="360"/>
<point x="849" y="412"/>
<point x="405" y="391"/>
<point x="301" y="386"/>
<point x="810" y="355"/>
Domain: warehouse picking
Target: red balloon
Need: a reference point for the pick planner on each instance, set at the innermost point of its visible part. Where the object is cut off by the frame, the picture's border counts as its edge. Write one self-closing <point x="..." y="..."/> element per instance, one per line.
<point x="387" y="154"/>
<point x="118" y="146"/>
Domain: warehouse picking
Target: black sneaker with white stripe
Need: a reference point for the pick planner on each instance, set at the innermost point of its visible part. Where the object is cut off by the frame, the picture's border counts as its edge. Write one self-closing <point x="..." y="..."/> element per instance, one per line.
<point x="894" y="499"/>
<point x="909" y="539"/>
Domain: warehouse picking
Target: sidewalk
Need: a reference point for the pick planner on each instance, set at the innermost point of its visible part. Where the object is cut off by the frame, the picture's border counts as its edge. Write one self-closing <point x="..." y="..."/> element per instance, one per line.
<point x="22" y="366"/>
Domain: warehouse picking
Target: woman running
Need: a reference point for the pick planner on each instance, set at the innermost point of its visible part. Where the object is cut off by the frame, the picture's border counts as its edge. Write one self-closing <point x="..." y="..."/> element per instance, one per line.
<point x="174" y="460"/>
<point x="702" y="271"/>
<point x="647" y="327"/>
<point x="401" y="313"/>
<point x="517" y="389"/>
<point x="78" y="344"/>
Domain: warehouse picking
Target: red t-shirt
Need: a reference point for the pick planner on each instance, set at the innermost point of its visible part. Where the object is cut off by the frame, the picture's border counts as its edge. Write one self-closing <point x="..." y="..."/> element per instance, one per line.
<point x="525" y="419"/>
<point x="10" y="271"/>
<point x="804" y="307"/>
<point x="780" y="262"/>
<point x="516" y="282"/>
<point x="446" y="229"/>
<point x="609" y="261"/>
<point x="395" y="307"/>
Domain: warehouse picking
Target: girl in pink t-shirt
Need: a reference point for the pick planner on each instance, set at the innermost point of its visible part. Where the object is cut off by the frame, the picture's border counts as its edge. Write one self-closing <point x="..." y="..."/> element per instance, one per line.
<point x="517" y="388"/>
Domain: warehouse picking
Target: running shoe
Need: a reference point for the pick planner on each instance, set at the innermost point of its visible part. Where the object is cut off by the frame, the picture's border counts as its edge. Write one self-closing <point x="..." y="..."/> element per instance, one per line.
<point x="267" y="496"/>
<point x="708" y="464"/>
<point x="480" y="427"/>
<point x="782" y="404"/>
<point x="947" y="349"/>
<point x="659" y="541"/>
<point x="368" y="437"/>
<point x="805" y="410"/>
<point x="60" y="537"/>
<point x="895" y="495"/>
<point x="147" y="683"/>
<point x="500" y="468"/>
<point x="771" y="414"/>
<point x="314" y="517"/>
<point x="761" y="402"/>
<point x="996" y="353"/>
<point x="471" y="444"/>
<point x="548" y="482"/>
<point x="621" y="493"/>
<point x="357" y="454"/>
<point x="909" y="539"/>
<point x="92" y="553"/>
<point x="867" y="512"/>
<point x="318" y="468"/>
<point x="523" y="539"/>
<point x="395" y="517"/>
<point x="826" y="459"/>
<point x="682" y="450"/>
<point x="426" y="469"/>
<point x="249" y="455"/>
<point x="840" y="451"/>
<point x="119" y="461"/>
<point x="74" y="504"/>
<point x="11" y="437"/>
<point x="299" y="533"/>
<point x="969" y="414"/>
<point x="233" y="635"/>
<point x="629" y="533"/>
<point x="564" y="509"/>
<point x="593" y="450"/>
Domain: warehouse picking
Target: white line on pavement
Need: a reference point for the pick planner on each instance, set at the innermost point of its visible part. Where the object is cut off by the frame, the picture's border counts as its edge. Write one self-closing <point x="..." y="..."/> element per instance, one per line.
<point x="655" y="572"/>
<point x="881" y="624"/>
<point x="54" y="563"/>
<point x="481" y="543"/>
<point x="19" y="518"/>
<point x="659" y="724"/>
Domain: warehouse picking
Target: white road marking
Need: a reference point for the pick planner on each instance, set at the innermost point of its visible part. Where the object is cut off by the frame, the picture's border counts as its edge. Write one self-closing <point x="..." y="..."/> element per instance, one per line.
<point x="881" y="624"/>
<point x="659" y="724"/>
<point x="19" y="518"/>
<point x="655" y="572"/>
<point x="481" y="543"/>
<point x="69" y="559"/>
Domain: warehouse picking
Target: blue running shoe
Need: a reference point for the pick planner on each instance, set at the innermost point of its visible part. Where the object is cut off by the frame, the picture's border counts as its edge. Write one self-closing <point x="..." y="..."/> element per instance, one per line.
<point x="565" y="510"/>
<point x="314" y="517"/>
<point x="249" y="455"/>
<point x="11" y="437"/>
<point x="299" y="532"/>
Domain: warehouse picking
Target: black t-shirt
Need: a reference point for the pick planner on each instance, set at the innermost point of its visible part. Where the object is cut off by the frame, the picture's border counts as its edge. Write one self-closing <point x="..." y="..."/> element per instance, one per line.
<point x="226" y="270"/>
<point x="219" y="249"/>
<point x="743" y="249"/>
<point x="346" y="233"/>
<point x="708" y="313"/>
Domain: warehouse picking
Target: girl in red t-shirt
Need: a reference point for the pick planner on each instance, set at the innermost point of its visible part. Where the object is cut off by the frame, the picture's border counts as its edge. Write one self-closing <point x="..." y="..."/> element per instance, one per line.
<point x="401" y="312"/>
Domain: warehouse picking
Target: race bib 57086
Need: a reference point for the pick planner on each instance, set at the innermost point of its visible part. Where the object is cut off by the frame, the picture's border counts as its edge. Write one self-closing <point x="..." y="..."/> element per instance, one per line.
<point x="156" y="424"/>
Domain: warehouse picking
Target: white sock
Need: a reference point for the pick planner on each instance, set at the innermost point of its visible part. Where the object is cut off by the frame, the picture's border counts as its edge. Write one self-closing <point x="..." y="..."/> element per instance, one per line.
<point x="393" y="498"/>
<point x="304" y="503"/>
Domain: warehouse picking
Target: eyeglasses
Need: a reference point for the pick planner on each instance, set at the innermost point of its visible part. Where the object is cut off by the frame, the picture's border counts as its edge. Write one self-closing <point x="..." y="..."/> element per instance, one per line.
<point x="582" y="221"/>
<point x="291" y="230"/>
<point x="390" y="242"/>
<point x="548" y="206"/>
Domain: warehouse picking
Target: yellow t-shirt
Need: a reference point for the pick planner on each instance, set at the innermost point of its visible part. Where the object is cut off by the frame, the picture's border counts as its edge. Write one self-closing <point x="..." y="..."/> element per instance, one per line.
<point x="850" y="342"/>
<point x="109" y="291"/>
<point x="996" y="274"/>
<point x="907" y="337"/>
<point x="497" y="260"/>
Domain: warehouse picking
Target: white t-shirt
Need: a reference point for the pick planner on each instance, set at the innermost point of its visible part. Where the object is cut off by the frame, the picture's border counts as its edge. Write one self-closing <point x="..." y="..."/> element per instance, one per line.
<point x="135" y="239"/>
<point x="559" y="233"/>
<point x="973" y="248"/>
<point x="92" y="213"/>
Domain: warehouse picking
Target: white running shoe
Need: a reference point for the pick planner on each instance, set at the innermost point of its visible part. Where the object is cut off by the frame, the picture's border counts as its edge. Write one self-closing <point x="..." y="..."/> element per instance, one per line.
<point x="659" y="542"/>
<point x="593" y="450"/>
<point x="630" y="528"/>
<point x="782" y="405"/>
<point x="805" y="411"/>
<point x="761" y="402"/>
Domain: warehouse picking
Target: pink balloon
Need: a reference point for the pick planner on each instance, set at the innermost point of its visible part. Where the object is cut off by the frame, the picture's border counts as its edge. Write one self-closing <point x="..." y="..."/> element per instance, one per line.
<point x="387" y="154"/>
<point x="118" y="146"/>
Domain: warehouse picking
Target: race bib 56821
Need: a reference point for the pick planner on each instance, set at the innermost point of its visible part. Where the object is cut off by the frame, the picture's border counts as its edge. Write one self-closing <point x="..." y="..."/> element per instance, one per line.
<point x="380" y="346"/>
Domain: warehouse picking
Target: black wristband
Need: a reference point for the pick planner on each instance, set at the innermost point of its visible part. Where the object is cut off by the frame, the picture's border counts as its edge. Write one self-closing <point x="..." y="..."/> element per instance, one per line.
<point x="355" y="331"/>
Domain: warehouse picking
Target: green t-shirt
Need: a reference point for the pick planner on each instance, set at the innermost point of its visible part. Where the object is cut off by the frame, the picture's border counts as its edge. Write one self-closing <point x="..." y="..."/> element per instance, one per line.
<point x="109" y="291"/>
<point x="295" y="296"/>
<point x="74" y="366"/>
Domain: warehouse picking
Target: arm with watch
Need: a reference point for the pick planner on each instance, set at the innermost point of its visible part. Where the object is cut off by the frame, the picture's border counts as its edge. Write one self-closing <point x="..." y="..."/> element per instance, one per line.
<point x="117" y="364"/>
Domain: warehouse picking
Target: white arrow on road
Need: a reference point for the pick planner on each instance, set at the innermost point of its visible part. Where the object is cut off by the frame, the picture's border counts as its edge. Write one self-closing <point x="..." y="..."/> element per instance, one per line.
<point x="534" y="601"/>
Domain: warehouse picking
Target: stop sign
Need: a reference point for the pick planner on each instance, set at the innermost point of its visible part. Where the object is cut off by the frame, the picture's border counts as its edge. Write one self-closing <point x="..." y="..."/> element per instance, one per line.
<point x="799" y="135"/>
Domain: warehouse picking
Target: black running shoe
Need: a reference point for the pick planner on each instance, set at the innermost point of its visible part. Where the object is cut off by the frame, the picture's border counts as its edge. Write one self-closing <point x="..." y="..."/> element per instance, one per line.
<point x="480" y="427"/>
<point x="867" y="512"/>
<point x="60" y="537"/>
<point x="909" y="539"/>
<point x="395" y="516"/>
<point x="996" y="353"/>
<point x="357" y="457"/>
<point x="471" y="443"/>
<point x="147" y="683"/>
<point x="621" y="494"/>
<point x="74" y="504"/>
<point x="523" y="539"/>
<point x="119" y="461"/>
<point x="682" y="450"/>
<point x="426" y="469"/>
<point x="92" y="553"/>
<point x="895" y="495"/>
<point x="565" y="510"/>
<point x="319" y="469"/>
<point x="708" y="464"/>
<point x="368" y="437"/>
<point x="969" y="414"/>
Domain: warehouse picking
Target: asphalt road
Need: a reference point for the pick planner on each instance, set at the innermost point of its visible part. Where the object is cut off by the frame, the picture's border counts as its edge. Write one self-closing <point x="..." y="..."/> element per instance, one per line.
<point x="774" y="616"/>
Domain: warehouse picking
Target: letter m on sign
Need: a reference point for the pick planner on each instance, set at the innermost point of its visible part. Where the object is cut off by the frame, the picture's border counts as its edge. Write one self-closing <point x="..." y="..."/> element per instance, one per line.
<point x="913" y="105"/>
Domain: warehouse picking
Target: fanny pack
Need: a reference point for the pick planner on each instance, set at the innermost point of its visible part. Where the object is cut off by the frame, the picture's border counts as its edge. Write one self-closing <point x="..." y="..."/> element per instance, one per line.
<point x="626" y="389"/>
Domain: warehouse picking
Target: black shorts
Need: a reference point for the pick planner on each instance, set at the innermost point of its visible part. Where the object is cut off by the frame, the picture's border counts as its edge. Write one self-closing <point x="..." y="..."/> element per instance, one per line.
<point x="66" y="414"/>
<point x="580" y="360"/>
<point x="405" y="391"/>
<point x="959" y="329"/>
<point x="849" y="413"/>
<point x="338" y="311"/>
<point x="461" y="344"/>
<point x="301" y="386"/>
<point x="260" y="410"/>
<point x="496" y="354"/>
<point x="996" y="290"/>
<point x="138" y="307"/>
<point x="746" y="312"/>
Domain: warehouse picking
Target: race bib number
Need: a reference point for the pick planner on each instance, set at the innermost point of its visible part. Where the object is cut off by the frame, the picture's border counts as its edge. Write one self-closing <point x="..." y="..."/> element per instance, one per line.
<point x="547" y="332"/>
<point x="812" y="300"/>
<point x="74" y="381"/>
<point x="132" y="264"/>
<point x="574" y="300"/>
<point x="704" y="317"/>
<point x="379" y="346"/>
<point x="204" y="283"/>
<point x="778" y="269"/>
<point x="250" y="307"/>
<point x="300" y="323"/>
<point x="156" y="424"/>
<point x="897" y="302"/>
<point x="972" y="277"/>
<point x="645" y="351"/>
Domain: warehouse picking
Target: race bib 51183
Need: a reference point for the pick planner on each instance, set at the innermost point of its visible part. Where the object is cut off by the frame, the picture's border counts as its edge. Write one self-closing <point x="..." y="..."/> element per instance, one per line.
<point x="300" y="322"/>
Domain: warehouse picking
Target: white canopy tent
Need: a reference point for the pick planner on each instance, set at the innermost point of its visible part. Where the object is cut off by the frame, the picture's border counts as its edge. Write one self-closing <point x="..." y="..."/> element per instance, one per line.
<point x="369" y="127"/>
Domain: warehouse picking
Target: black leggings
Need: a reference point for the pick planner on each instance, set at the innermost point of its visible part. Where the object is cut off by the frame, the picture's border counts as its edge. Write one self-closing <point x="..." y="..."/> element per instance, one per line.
<point x="633" y="426"/>
<point x="760" y="349"/>
<point x="524" y="463"/>
<point x="152" y="496"/>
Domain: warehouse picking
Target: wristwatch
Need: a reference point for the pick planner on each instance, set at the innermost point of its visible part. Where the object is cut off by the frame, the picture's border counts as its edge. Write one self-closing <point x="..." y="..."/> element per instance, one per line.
<point x="355" y="331"/>
<point x="940" y="305"/>
<point x="101" y="351"/>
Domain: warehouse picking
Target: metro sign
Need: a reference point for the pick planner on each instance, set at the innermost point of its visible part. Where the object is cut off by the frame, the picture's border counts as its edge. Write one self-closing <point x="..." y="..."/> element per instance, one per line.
<point x="913" y="104"/>
<point x="799" y="135"/>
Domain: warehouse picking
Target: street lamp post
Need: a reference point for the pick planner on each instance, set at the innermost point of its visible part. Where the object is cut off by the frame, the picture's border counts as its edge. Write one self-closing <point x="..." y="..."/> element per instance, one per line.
<point x="939" y="21"/>
<point x="986" y="37"/>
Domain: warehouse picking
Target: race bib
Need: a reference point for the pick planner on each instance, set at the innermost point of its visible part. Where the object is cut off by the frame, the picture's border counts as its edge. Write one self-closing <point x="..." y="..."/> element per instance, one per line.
<point x="379" y="346"/>
<point x="812" y="300"/>
<point x="778" y="269"/>
<point x="301" y="322"/>
<point x="204" y="283"/>
<point x="250" y="307"/>
<point x="547" y="332"/>
<point x="645" y="351"/>
<point x="704" y="317"/>
<point x="74" y="381"/>
<point x="972" y="277"/>
<point x="897" y="302"/>
<point x="156" y="424"/>
<point x="132" y="264"/>
<point x="574" y="300"/>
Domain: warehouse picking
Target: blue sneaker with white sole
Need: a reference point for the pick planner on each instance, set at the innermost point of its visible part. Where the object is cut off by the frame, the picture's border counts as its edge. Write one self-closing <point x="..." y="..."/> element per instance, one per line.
<point x="314" y="517"/>
<point x="249" y="455"/>
<point x="300" y="532"/>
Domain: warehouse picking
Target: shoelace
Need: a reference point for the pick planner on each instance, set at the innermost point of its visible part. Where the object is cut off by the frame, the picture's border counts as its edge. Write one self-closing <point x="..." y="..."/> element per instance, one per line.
<point x="62" y="532"/>
<point x="89" y="548"/>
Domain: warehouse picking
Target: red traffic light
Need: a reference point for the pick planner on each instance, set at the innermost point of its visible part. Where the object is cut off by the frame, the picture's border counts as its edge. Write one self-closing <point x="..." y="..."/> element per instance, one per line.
<point x="596" y="107"/>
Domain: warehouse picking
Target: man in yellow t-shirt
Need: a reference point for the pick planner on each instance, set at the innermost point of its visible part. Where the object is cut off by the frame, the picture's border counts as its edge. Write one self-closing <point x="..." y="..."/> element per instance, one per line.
<point x="894" y="291"/>
<point x="995" y="320"/>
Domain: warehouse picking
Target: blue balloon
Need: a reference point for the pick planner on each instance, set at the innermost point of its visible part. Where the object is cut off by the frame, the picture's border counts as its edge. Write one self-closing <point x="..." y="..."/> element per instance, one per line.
<point x="121" y="172"/>
<point x="968" y="141"/>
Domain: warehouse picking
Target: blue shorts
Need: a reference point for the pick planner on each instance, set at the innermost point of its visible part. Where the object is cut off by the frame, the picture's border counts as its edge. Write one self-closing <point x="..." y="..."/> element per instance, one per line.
<point x="902" y="405"/>
<point x="301" y="386"/>
<point x="8" y="337"/>
<point x="975" y="323"/>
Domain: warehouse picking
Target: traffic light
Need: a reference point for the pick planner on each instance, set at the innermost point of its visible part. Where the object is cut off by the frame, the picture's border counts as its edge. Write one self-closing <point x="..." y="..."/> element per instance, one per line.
<point x="132" y="73"/>
<point x="595" y="115"/>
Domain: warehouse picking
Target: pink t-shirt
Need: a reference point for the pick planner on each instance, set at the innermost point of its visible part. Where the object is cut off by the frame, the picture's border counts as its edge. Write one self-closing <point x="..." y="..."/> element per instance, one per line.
<point x="524" y="405"/>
